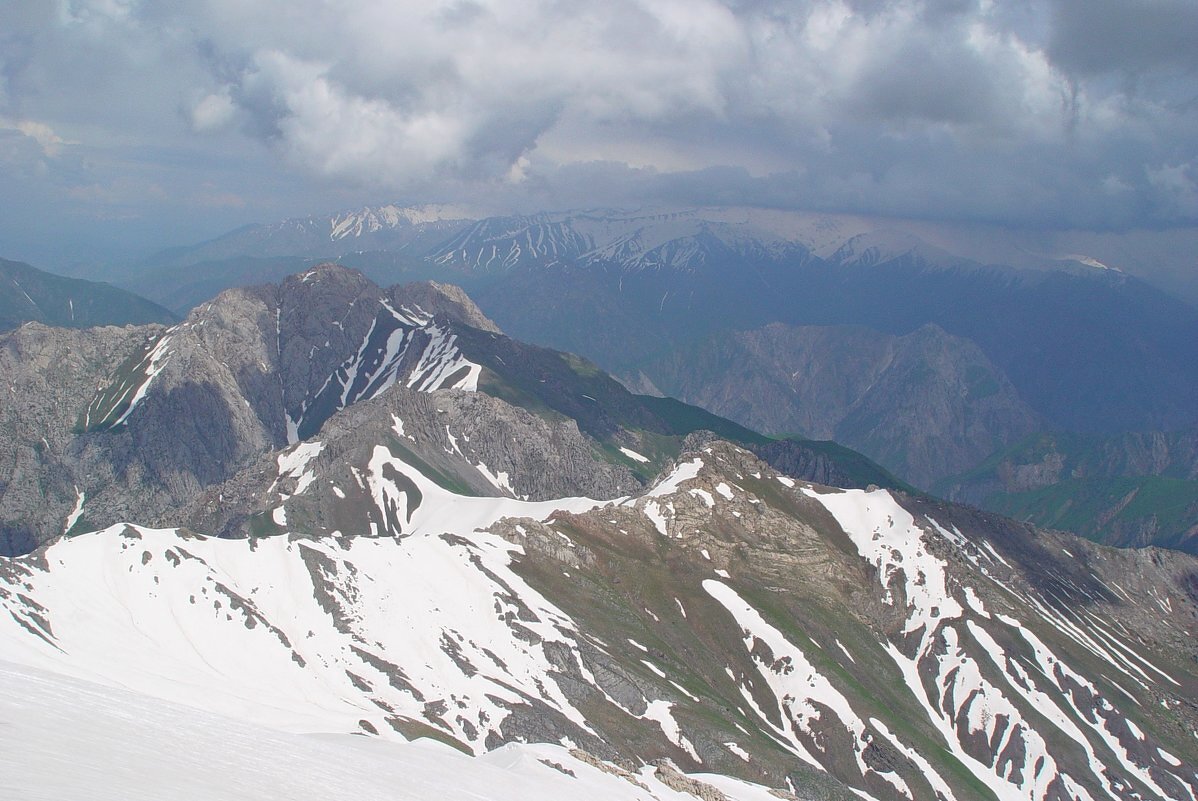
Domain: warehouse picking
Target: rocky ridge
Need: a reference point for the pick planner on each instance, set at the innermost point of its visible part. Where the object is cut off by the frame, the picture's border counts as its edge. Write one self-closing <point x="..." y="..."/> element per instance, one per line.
<point x="150" y="419"/>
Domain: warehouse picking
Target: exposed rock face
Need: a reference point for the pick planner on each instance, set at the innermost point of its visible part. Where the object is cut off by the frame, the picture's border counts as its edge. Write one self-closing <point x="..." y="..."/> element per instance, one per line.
<point x="450" y="301"/>
<point x="46" y="372"/>
<point x="476" y="444"/>
<point x="137" y="423"/>
<point x="924" y="405"/>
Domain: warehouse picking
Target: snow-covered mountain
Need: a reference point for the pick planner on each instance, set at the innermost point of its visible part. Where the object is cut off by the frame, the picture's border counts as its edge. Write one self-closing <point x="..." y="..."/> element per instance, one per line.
<point x="373" y="219"/>
<point x="326" y="508"/>
<point x="728" y="618"/>
<point x="684" y="241"/>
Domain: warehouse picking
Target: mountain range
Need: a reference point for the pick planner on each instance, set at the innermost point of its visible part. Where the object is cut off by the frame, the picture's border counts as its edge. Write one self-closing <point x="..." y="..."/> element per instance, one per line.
<point x="321" y="506"/>
<point x="927" y="360"/>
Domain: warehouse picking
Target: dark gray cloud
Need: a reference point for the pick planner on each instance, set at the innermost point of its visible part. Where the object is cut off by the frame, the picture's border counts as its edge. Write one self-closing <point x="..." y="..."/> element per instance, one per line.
<point x="1091" y="37"/>
<point x="1045" y="112"/>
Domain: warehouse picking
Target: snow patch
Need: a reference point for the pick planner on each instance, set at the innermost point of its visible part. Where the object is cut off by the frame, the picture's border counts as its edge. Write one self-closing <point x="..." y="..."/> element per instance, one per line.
<point x="636" y="457"/>
<point x="295" y="463"/>
<point x="76" y="512"/>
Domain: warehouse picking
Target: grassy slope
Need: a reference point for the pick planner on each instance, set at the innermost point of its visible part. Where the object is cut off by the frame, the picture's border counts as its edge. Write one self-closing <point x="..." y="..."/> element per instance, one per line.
<point x="1125" y="510"/>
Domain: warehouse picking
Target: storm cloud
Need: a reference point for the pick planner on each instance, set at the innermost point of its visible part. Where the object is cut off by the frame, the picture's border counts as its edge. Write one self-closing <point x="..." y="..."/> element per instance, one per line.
<point x="1059" y="112"/>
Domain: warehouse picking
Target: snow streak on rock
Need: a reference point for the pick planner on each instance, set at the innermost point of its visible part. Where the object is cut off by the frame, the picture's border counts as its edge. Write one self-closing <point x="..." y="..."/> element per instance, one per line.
<point x="112" y="406"/>
<point x="808" y="703"/>
<point x="402" y="346"/>
<point x="980" y="694"/>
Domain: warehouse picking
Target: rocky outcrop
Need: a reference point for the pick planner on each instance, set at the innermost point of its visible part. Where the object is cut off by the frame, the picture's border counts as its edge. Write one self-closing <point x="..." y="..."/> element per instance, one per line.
<point x="46" y="372"/>
<point x="113" y="424"/>
<point x="470" y="442"/>
<point x="447" y="300"/>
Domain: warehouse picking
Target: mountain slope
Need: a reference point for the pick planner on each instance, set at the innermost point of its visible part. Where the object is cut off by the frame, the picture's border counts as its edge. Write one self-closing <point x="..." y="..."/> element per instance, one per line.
<point x="728" y="619"/>
<point x="1128" y="489"/>
<point x="926" y="405"/>
<point x="62" y="738"/>
<point x="484" y="543"/>
<point x="31" y="295"/>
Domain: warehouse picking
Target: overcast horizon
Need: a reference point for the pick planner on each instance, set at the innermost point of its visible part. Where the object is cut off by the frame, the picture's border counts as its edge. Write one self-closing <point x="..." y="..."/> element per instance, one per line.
<point x="128" y="126"/>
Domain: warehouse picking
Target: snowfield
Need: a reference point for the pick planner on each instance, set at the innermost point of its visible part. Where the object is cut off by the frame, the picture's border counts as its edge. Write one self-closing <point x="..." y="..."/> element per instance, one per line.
<point x="63" y="739"/>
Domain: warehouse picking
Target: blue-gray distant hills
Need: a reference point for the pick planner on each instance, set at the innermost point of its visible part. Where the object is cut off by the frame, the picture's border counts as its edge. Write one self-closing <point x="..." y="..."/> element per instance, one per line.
<point x="28" y="294"/>
<point x="937" y="362"/>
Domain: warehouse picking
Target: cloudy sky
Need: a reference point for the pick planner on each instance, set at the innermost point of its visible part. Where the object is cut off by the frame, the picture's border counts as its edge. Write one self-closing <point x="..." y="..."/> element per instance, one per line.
<point x="126" y="125"/>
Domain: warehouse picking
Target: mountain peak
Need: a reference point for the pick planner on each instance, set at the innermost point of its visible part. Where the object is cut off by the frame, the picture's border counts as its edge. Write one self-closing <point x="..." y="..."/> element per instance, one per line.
<point x="372" y="219"/>
<point x="328" y="270"/>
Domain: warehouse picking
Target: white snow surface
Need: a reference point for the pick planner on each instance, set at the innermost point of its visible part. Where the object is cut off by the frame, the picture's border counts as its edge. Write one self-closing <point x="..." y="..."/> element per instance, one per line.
<point x="243" y="630"/>
<point x="631" y="454"/>
<point x="886" y="535"/>
<point x="62" y="739"/>
<point x="500" y="479"/>
<point x="440" y="510"/>
<point x="670" y="484"/>
<point x="294" y="463"/>
<point x="76" y="511"/>
<point x="302" y="634"/>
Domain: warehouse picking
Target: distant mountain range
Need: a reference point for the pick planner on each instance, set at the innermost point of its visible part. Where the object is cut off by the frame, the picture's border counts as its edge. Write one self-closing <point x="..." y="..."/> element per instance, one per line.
<point x="969" y="358"/>
<point x="28" y="294"/>
<point x="325" y="507"/>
